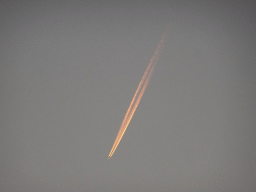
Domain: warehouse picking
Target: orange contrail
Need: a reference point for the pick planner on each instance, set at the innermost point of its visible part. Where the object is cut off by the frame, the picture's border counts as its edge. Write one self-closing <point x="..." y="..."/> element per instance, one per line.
<point x="138" y="95"/>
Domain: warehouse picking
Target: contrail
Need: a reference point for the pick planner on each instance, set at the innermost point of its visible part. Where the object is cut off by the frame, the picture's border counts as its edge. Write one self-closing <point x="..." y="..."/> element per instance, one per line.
<point x="138" y="94"/>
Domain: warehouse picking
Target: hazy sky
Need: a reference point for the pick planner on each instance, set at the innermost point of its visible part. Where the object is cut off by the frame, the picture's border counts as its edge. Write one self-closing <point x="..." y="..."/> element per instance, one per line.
<point x="69" y="70"/>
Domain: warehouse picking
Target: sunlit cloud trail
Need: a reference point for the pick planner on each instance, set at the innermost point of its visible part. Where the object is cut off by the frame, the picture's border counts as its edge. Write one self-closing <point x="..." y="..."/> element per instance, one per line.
<point x="138" y="94"/>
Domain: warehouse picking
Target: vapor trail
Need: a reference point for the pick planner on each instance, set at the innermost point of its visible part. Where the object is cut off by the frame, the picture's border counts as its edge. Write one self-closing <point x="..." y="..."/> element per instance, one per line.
<point x="138" y="94"/>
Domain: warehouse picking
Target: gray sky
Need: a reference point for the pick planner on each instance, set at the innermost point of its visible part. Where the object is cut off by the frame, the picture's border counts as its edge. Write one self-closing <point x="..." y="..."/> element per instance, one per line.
<point x="69" y="70"/>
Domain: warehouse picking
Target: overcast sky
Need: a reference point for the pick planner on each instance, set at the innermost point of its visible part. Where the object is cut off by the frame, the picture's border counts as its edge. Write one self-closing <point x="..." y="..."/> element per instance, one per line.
<point x="69" y="70"/>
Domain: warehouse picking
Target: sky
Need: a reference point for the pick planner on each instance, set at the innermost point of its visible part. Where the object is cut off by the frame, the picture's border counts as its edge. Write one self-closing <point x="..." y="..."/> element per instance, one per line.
<point x="69" y="70"/>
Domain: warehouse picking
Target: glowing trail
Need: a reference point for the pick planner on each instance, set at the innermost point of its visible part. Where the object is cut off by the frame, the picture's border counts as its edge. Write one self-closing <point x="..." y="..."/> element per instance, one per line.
<point x="138" y="95"/>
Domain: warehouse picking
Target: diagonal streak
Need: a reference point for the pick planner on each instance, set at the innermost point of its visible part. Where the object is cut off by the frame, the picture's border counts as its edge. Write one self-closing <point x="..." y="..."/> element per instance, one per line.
<point x="138" y="94"/>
